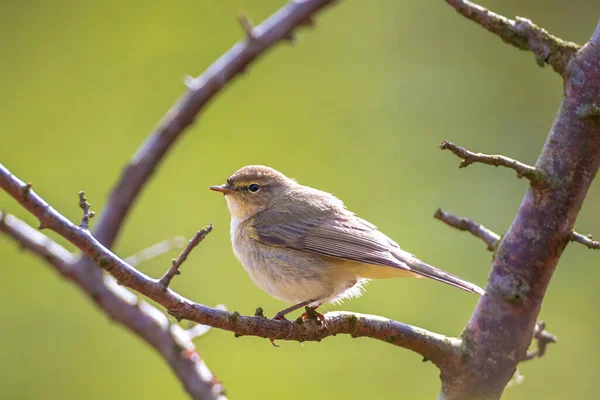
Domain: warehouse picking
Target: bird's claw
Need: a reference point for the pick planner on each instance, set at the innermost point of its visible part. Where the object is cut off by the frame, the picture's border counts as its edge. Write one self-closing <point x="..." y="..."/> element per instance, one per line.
<point x="313" y="314"/>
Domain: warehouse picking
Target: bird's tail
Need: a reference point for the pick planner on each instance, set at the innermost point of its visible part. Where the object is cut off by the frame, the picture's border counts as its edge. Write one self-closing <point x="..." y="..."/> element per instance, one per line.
<point x="420" y="268"/>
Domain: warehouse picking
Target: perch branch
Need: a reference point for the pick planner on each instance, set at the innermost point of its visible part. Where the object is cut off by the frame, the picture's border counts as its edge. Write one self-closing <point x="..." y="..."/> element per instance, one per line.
<point x="536" y="177"/>
<point x="490" y="238"/>
<point x="586" y="240"/>
<point x="123" y="306"/>
<point x="432" y="346"/>
<point x="542" y="339"/>
<point x="176" y="263"/>
<point x="199" y="330"/>
<point x="521" y="33"/>
<point x="279" y="26"/>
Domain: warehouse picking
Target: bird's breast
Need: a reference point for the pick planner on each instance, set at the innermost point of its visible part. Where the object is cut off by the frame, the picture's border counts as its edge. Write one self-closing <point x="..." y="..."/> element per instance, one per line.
<point x="283" y="273"/>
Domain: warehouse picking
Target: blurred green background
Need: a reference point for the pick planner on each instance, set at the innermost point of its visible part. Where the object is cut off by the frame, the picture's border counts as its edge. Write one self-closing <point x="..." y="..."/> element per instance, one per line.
<point x="357" y="107"/>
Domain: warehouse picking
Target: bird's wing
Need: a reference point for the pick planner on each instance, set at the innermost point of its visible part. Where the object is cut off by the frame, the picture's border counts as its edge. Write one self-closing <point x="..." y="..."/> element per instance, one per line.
<point x="347" y="237"/>
<point x="343" y="236"/>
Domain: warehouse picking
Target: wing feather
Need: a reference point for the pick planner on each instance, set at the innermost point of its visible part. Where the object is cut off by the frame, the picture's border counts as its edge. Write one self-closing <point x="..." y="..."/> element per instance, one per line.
<point x="345" y="236"/>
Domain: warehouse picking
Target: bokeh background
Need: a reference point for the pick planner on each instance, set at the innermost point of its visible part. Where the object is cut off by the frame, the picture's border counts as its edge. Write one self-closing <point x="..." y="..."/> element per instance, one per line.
<point x="357" y="107"/>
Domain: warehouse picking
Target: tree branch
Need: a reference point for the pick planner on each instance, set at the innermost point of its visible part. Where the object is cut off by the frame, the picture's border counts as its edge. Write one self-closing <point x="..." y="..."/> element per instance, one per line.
<point x="537" y="178"/>
<point x="176" y="263"/>
<point x="437" y="348"/>
<point x="279" y="26"/>
<point x="587" y="241"/>
<point x="123" y="306"/>
<point x="491" y="239"/>
<point x="521" y="33"/>
<point x="503" y="321"/>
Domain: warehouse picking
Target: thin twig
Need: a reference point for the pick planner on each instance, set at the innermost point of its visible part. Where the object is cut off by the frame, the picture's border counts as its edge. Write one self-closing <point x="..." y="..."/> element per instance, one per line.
<point x="521" y="33"/>
<point x="537" y="178"/>
<point x="279" y="26"/>
<point x="176" y="263"/>
<point x="586" y="240"/>
<point x="542" y="339"/>
<point x="123" y="306"/>
<point x="156" y="250"/>
<point x="247" y="26"/>
<point x="87" y="213"/>
<point x="433" y="346"/>
<point x="490" y="238"/>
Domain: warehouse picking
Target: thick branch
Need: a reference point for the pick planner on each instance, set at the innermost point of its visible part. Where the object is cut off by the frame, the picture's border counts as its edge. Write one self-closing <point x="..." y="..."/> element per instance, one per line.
<point x="279" y="26"/>
<point x="490" y="238"/>
<point x="536" y="177"/>
<point x="587" y="241"/>
<point x="432" y="346"/>
<point x="503" y="321"/>
<point x="521" y="33"/>
<point x="165" y="281"/>
<point x="124" y="307"/>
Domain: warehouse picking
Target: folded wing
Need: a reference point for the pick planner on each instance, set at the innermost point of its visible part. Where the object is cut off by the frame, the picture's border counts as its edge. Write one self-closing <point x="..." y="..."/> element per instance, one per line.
<point x="346" y="237"/>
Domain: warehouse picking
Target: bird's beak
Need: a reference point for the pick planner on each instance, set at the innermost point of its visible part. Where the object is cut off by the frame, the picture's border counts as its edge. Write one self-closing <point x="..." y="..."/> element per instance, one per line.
<point x="222" y="189"/>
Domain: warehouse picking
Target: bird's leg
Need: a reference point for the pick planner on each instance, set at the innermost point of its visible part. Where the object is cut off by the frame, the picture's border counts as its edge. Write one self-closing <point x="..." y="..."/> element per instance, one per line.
<point x="281" y="314"/>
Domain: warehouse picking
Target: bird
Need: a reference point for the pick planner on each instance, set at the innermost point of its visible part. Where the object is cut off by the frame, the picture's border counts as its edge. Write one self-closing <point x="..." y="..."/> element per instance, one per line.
<point x="303" y="246"/>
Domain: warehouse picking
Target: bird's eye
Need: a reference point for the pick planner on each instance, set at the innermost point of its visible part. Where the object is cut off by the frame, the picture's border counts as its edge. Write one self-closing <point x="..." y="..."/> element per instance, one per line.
<point x="253" y="188"/>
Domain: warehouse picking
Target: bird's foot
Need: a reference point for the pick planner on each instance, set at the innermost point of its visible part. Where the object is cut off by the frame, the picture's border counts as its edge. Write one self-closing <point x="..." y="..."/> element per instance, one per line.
<point x="311" y="313"/>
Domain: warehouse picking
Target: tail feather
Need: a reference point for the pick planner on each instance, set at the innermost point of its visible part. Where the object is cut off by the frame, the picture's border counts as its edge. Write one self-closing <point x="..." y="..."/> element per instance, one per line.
<point x="420" y="268"/>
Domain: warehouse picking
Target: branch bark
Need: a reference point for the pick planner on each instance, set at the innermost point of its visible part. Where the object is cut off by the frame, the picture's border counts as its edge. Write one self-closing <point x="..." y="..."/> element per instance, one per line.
<point x="124" y="307"/>
<point x="501" y="326"/>
<point x="523" y="34"/>
<point x="535" y="176"/>
<point x="437" y="348"/>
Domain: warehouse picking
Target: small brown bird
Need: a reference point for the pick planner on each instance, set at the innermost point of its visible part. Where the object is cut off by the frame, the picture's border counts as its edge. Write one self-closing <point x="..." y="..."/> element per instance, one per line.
<point x="303" y="246"/>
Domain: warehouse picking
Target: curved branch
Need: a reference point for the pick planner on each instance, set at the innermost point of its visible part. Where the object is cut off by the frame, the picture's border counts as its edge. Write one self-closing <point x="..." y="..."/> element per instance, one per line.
<point x="201" y="90"/>
<point x="432" y="346"/>
<point x="124" y="307"/>
<point x="521" y="33"/>
<point x="279" y="26"/>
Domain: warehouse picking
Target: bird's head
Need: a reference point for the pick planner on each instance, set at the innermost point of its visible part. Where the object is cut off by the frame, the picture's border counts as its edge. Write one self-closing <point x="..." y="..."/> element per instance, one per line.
<point x="253" y="189"/>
